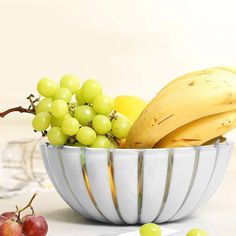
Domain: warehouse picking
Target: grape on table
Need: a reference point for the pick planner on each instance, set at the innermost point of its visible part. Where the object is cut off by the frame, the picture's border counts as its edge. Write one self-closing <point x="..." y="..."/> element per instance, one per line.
<point x="13" y="224"/>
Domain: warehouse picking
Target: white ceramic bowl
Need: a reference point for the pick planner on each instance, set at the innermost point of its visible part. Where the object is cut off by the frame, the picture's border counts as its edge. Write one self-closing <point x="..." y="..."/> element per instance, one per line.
<point x="130" y="186"/>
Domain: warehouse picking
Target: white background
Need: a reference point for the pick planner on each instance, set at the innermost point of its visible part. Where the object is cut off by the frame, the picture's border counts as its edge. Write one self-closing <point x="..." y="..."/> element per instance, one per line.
<point x="130" y="46"/>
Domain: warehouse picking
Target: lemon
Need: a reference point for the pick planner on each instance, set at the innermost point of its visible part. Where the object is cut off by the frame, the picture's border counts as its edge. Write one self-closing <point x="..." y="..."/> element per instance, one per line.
<point x="130" y="106"/>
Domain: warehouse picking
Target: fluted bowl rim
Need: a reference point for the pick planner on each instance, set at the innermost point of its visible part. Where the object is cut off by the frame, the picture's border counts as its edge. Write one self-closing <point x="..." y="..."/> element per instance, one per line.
<point x="224" y="143"/>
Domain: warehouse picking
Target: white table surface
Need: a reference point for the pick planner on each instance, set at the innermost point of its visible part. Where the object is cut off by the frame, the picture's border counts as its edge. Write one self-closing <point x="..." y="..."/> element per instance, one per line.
<point x="218" y="216"/>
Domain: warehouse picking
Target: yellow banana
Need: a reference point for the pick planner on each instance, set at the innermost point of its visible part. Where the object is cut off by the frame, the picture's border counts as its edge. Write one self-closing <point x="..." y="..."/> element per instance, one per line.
<point x="227" y="68"/>
<point x="188" y="78"/>
<point x="208" y="71"/>
<point x="188" y="100"/>
<point x="200" y="131"/>
<point x="219" y="139"/>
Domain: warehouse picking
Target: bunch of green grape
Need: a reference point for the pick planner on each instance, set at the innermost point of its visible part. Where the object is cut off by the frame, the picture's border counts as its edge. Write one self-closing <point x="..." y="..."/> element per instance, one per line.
<point x="80" y="116"/>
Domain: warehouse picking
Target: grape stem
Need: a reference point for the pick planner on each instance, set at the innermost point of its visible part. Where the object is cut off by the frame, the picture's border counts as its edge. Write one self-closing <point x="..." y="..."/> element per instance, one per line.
<point x="17" y="109"/>
<point x="71" y="139"/>
<point x="113" y="115"/>
<point x="30" y="109"/>
<point x="29" y="205"/>
<point x="32" y="101"/>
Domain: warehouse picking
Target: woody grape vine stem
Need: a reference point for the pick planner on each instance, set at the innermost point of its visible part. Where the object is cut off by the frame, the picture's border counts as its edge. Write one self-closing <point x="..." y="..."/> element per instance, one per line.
<point x="29" y="205"/>
<point x="30" y="109"/>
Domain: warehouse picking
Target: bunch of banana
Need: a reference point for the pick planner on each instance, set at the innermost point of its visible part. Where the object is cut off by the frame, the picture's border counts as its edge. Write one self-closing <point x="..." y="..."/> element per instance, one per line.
<point x="189" y="111"/>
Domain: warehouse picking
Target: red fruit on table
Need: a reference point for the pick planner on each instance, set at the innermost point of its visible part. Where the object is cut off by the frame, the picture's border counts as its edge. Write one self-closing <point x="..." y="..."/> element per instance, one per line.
<point x="9" y="215"/>
<point x="10" y="228"/>
<point x="34" y="225"/>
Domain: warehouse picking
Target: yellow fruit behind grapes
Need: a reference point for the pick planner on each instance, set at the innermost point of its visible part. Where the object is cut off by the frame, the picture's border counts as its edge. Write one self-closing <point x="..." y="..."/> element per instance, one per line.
<point x="130" y="106"/>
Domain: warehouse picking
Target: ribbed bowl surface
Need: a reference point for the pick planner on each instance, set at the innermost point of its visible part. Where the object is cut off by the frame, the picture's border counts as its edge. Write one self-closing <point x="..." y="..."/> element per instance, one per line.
<point x="130" y="186"/>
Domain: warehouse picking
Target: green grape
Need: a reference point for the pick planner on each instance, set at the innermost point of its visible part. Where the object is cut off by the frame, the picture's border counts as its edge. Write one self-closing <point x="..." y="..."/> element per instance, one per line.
<point x="57" y="121"/>
<point x="150" y="229"/>
<point x="72" y="107"/>
<point x="41" y="121"/>
<point x="59" y="108"/>
<point x="44" y="105"/>
<point x="63" y="93"/>
<point x="56" y="136"/>
<point x="47" y="87"/>
<point x="78" y="144"/>
<point x="120" y="127"/>
<point x="70" y="126"/>
<point x="71" y="82"/>
<point x="197" y="232"/>
<point x="86" y="135"/>
<point x="90" y="89"/>
<point x="84" y="114"/>
<point x="103" y="104"/>
<point x="79" y="98"/>
<point x="101" y="124"/>
<point x="101" y="141"/>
